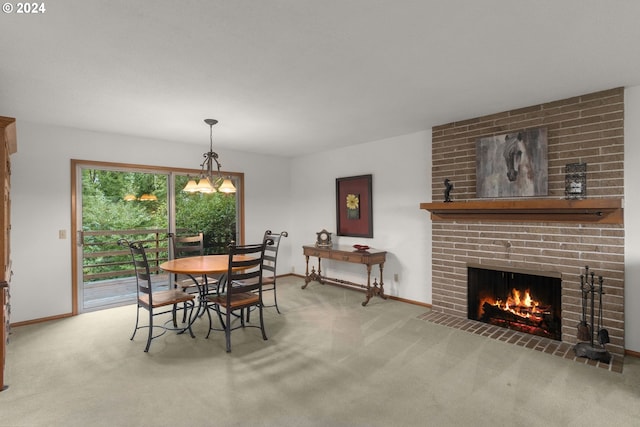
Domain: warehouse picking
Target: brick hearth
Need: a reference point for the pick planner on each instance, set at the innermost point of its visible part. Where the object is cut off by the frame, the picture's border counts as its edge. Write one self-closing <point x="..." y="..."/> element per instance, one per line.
<point x="521" y="339"/>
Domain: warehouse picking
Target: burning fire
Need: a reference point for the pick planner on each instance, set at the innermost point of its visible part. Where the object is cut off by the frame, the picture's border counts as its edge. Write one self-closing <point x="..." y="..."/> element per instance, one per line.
<point x="518" y="303"/>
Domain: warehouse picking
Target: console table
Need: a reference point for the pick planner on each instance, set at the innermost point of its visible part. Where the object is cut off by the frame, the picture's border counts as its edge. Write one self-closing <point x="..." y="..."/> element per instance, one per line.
<point x="369" y="258"/>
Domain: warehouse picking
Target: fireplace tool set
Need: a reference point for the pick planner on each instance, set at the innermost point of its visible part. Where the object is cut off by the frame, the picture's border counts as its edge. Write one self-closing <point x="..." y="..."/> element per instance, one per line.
<point x="586" y="333"/>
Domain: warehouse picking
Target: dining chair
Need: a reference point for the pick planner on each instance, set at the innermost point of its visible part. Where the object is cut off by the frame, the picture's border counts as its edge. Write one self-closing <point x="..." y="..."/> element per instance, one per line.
<point x="243" y="290"/>
<point x="269" y="266"/>
<point x="156" y="302"/>
<point x="185" y="246"/>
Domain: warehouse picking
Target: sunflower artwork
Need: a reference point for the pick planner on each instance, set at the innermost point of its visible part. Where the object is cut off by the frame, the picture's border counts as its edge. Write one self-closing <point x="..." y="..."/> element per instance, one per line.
<point x="354" y="212"/>
<point x="353" y="206"/>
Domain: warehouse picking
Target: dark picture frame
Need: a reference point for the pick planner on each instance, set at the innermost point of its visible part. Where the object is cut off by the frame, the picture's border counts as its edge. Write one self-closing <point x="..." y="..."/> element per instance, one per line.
<point x="354" y="206"/>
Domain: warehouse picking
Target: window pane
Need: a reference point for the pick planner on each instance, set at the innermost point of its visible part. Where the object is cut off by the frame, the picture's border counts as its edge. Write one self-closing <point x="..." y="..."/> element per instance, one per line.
<point x="117" y="205"/>
<point x="213" y="214"/>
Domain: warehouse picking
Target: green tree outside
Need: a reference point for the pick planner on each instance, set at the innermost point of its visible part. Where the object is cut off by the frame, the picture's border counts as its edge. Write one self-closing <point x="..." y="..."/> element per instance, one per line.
<point x="113" y="200"/>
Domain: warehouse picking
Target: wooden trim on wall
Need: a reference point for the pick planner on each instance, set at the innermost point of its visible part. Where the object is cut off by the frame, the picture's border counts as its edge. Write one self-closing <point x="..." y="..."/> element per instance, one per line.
<point x="408" y="301"/>
<point x="41" y="320"/>
<point x="632" y="353"/>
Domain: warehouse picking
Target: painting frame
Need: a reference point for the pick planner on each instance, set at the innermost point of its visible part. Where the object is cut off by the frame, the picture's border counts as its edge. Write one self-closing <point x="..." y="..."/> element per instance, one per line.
<point x="354" y="206"/>
<point x="513" y="164"/>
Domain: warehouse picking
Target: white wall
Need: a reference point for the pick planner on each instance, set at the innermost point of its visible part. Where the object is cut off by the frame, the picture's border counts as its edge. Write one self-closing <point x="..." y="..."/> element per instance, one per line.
<point x="631" y="227"/>
<point x="401" y="169"/>
<point x="41" y="203"/>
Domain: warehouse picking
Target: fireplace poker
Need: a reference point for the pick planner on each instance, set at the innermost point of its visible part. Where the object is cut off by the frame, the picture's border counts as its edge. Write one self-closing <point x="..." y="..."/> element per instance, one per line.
<point x="592" y="290"/>
<point x="584" y="331"/>
<point x="603" y="334"/>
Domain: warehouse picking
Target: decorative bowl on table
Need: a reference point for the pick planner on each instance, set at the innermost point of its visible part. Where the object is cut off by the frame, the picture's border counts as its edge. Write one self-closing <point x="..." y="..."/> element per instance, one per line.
<point x="361" y="247"/>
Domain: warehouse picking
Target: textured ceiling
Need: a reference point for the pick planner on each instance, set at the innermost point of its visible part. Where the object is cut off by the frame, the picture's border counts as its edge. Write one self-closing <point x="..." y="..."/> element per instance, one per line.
<point x="295" y="77"/>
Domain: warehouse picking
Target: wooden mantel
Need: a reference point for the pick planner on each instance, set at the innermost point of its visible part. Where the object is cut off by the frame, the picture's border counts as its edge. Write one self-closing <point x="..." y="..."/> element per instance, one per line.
<point x="599" y="211"/>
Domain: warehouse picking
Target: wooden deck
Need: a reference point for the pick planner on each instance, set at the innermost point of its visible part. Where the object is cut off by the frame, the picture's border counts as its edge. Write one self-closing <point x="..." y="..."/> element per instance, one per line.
<point x="115" y="292"/>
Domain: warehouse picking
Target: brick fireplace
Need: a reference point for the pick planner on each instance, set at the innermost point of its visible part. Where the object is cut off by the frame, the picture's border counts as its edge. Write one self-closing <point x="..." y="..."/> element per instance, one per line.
<point x="587" y="129"/>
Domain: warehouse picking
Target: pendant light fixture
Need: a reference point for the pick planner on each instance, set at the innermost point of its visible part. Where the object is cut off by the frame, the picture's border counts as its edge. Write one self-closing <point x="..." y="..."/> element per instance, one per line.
<point x="208" y="182"/>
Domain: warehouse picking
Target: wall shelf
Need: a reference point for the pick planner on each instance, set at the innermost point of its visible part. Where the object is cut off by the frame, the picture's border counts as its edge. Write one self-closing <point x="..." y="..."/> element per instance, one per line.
<point x="598" y="211"/>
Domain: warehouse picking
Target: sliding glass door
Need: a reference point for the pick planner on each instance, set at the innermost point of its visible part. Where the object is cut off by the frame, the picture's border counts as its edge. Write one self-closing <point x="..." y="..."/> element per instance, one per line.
<point x="115" y="201"/>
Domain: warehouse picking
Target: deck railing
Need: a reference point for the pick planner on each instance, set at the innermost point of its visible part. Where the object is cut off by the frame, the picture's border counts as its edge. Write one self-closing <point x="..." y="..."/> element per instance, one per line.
<point x="103" y="258"/>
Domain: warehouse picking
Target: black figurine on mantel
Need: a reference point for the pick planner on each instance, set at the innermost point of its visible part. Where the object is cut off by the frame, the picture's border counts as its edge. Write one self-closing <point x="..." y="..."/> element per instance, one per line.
<point x="448" y="186"/>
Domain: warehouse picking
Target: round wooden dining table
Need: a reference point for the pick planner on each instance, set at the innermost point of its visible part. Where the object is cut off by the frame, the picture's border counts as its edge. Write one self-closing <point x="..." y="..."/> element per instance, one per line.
<point x="197" y="265"/>
<point x="203" y="265"/>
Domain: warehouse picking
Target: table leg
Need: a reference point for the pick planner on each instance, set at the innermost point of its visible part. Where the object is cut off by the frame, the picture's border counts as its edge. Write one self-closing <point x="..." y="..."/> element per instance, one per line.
<point x="314" y="275"/>
<point x="381" y="290"/>
<point x="307" y="279"/>
<point x="368" y="292"/>
<point x="377" y="288"/>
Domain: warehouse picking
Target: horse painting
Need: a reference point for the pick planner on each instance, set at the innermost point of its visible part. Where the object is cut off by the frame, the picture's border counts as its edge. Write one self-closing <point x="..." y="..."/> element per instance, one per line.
<point x="512" y="165"/>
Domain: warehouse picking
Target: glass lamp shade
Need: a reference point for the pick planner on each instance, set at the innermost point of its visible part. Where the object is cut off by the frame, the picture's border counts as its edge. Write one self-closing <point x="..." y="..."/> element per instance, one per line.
<point x="227" y="187"/>
<point x="204" y="186"/>
<point x="148" y="198"/>
<point x="191" y="186"/>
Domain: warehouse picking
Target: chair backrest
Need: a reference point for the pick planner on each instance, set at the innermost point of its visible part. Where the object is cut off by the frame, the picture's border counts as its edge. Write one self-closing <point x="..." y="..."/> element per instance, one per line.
<point x="245" y="268"/>
<point x="184" y="246"/>
<point x="271" y="251"/>
<point x="141" y="266"/>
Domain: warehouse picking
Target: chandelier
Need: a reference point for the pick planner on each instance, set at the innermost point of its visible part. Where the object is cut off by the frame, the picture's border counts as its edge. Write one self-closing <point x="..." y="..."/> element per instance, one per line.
<point x="211" y="180"/>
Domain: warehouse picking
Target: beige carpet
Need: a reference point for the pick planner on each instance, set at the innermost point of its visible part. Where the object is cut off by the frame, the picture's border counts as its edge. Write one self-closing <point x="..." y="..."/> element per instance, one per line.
<point x="328" y="362"/>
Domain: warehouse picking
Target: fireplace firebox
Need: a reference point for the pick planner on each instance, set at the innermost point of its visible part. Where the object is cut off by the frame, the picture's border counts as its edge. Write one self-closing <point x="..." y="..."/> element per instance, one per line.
<point x="529" y="302"/>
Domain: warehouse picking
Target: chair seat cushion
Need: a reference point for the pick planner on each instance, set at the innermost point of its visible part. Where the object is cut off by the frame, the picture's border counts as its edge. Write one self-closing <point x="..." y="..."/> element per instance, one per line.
<point x="242" y="299"/>
<point x="162" y="298"/>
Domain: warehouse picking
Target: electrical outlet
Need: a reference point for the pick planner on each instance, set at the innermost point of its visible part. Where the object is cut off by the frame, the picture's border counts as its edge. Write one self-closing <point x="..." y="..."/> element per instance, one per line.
<point x="396" y="277"/>
<point x="62" y="234"/>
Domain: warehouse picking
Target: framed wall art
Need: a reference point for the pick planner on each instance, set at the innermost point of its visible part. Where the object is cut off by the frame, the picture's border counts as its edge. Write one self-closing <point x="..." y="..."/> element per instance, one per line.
<point x="354" y="207"/>
<point x="513" y="164"/>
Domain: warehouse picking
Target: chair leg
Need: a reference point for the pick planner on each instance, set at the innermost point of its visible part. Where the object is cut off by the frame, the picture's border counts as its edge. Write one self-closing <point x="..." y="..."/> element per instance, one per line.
<point x="137" y="319"/>
<point x="275" y="298"/>
<point x="150" y="336"/>
<point x="264" y="334"/>
<point x="174" y="315"/>
<point x="227" y="329"/>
